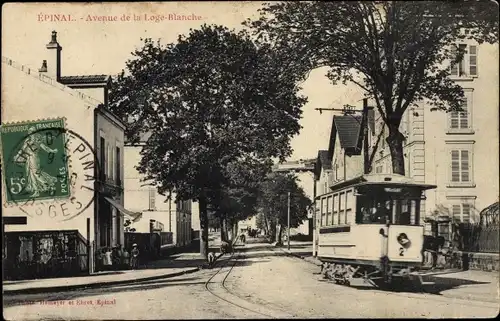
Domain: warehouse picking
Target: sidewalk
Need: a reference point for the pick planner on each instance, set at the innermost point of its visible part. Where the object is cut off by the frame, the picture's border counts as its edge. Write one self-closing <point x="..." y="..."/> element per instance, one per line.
<point x="175" y="265"/>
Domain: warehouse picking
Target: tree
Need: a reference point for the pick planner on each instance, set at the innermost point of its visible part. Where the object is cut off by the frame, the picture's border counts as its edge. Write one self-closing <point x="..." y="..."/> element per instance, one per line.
<point x="210" y="99"/>
<point x="237" y="200"/>
<point x="398" y="52"/>
<point x="273" y="202"/>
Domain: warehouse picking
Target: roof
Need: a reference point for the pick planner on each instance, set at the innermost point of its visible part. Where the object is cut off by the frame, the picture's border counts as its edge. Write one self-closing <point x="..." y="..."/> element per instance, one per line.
<point x="380" y="180"/>
<point x="348" y="128"/>
<point x="84" y="80"/>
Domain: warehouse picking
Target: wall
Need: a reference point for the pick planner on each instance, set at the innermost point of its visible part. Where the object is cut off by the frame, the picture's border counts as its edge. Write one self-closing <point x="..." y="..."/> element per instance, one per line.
<point x="140" y="197"/>
<point x="114" y="137"/>
<point x="27" y="97"/>
<point x="429" y="141"/>
<point x="482" y="95"/>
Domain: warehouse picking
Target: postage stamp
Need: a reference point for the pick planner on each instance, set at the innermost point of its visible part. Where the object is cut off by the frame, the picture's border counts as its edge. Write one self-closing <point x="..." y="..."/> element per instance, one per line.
<point x="48" y="170"/>
<point x="34" y="161"/>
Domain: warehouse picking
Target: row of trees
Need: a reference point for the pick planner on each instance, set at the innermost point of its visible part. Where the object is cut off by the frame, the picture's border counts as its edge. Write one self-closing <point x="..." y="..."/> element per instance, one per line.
<point x="219" y="109"/>
<point x="220" y="104"/>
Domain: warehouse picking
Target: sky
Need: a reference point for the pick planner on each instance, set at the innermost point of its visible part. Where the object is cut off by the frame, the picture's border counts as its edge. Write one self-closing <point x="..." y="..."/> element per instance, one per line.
<point x="97" y="47"/>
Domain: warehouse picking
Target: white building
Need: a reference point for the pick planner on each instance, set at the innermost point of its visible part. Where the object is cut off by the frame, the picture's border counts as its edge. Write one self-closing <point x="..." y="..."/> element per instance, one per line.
<point x="169" y="215"/>
<point x="456" y="151"/>
<point x="95" y="140"/>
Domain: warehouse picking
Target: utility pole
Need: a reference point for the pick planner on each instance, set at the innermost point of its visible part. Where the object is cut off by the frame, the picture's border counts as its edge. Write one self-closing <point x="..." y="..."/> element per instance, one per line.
<point x="288" y="238"/>
<point x="170" y="211"/>
<point x="365" y="137"/>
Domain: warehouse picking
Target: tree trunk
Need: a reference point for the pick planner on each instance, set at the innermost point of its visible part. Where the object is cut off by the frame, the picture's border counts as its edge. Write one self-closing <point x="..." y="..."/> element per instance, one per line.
<point x="395" y="143"/>
<point x="203" y="227"/>
<point x="280" y="233"/>
<point x="223" y="232"/>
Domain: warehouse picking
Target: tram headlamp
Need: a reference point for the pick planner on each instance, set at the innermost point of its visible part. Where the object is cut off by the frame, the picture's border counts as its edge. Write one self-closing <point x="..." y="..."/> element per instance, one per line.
<point x="404" y="240"/>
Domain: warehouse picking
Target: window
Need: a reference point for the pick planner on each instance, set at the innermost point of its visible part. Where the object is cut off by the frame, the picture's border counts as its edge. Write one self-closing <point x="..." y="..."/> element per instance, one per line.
<point x="152" y="199"/>
<point x="118" y="167"/>
<point x="460" y="166"/>
<point x="110" y="162"/>
<point x="349" y="207"/>
<point x="461" y="212"/>
<point x="462" y="120"/>
<point x="323" y="212"/>
<point x="328" y="210"/>
<point x="467" y="67"/>
<point x="342" y="208"/>
<point x="103" y="158"/>
<point x="378" y="169"/>
<point x="335" y="206"/>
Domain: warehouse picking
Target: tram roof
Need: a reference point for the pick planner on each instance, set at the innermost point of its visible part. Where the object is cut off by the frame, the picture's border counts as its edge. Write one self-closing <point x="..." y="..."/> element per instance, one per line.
<point x="381" y="179"/>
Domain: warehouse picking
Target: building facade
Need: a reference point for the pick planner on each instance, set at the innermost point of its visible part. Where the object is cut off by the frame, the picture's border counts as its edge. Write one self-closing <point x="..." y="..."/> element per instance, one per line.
<point x="168" y="214"/>
<point x="93" y="170"/>
<point x="457" y="151"/>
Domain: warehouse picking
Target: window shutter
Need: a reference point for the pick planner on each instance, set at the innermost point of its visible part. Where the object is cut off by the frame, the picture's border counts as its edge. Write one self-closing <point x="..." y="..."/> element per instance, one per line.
<point x="461" y="64"/>
<point x="473" y="60"/>
<point x="454" y="66"/>
<point x="456" y="212"/>
<point x="464" y="119"/>
<point x="466" y="209"/>
<point x="455" y="166"/>
<point x="454" y="119"/>
<point x="465" y="165"/>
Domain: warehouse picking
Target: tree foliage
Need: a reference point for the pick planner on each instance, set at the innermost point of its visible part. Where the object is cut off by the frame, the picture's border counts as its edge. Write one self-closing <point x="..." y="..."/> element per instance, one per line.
<point x="398" y="52"/>
<point x="210" y="100"/>
<point x="273" y="200"/>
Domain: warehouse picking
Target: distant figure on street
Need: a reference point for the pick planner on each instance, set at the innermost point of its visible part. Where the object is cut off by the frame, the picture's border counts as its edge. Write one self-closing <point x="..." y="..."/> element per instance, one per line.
<point x="108" y="261"/>
<point x="226" y="247"/>
<point x="126" y="259"/>
<point x="242" y="238"/>
<point x="211" y="259"/>
<point x="134" y="261"/>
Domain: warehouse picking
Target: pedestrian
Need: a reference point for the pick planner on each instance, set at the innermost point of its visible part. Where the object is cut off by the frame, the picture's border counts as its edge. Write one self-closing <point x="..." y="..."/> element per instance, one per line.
<point x="134" y="261"/>
<point x="126" y="259"/>
<point x="108" y="262"/>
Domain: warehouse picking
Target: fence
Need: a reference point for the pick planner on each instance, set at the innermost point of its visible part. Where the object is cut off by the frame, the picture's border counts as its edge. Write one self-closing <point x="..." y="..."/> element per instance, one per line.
<point x="166" y="238"/>
<point x="477" y="237"/>
<point x="42" y="254"/>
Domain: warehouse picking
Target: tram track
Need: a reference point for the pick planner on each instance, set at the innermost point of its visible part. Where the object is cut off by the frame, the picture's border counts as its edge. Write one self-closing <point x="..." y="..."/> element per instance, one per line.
<point x="220" y="290"/>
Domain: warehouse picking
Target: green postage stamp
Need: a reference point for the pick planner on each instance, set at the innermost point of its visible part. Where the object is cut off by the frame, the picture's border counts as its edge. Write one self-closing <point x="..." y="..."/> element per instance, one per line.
<point x="34" y="161"/>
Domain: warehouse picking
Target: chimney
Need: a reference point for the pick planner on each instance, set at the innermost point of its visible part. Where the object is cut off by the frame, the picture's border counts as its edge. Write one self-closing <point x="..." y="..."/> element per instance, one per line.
<point x="54" y="61"/>
<point x="43" y="68"/>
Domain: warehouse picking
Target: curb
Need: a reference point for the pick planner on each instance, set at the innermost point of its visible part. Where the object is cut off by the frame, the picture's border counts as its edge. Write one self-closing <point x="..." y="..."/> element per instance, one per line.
<point x="96" y="284"/>
<point x="305" y="258"/>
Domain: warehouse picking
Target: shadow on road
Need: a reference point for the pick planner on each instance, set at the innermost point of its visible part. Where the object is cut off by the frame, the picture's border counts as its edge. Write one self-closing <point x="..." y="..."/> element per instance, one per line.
<point x="431" y="285"/>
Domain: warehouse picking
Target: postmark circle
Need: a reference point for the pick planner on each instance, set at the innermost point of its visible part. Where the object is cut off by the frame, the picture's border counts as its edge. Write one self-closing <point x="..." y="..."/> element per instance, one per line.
<point x="52" y="173"/>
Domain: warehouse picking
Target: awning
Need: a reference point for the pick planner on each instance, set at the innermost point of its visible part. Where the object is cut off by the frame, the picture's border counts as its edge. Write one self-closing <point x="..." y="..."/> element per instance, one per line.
<point x="134" y="216"/>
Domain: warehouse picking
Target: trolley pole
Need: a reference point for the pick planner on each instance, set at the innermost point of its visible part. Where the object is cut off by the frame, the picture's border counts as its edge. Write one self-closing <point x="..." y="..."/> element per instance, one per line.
<point x="288" y="238"/>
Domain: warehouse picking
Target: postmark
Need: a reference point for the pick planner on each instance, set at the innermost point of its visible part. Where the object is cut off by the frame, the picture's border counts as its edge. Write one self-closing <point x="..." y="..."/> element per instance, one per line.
<point x="48" y="170"/>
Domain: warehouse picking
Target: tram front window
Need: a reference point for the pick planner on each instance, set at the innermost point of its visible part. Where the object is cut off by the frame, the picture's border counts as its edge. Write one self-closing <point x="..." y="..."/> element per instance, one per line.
<point x="388" y="211"/>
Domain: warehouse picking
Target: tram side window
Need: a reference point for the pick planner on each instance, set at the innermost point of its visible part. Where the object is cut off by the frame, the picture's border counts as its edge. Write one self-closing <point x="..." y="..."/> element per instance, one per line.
<point x="335" y="209"/>
<point x="323" y="212"/>
<point x="330" y="210"/>
<point x="342" y="208"/>
<point x="349" y="207"/>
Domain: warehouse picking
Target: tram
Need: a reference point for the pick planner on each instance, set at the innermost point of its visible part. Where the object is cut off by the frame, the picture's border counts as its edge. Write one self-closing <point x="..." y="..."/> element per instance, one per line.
<point x="370" y="228"/>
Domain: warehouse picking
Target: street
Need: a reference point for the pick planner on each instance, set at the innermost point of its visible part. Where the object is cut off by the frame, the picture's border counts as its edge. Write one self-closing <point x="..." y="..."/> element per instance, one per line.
<point x="258" y="281"/>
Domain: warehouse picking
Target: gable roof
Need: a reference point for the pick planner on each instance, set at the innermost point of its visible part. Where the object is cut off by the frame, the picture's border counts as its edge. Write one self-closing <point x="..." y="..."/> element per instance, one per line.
<point x="349" y="131"/>
<point x="323" y="162"/>
<point x="348" y="128"/>
<point x="84" y="80"/>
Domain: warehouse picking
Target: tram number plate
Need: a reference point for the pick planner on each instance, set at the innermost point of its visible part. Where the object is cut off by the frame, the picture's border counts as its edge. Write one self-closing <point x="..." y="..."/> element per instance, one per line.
<point x="401" y="251"/>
